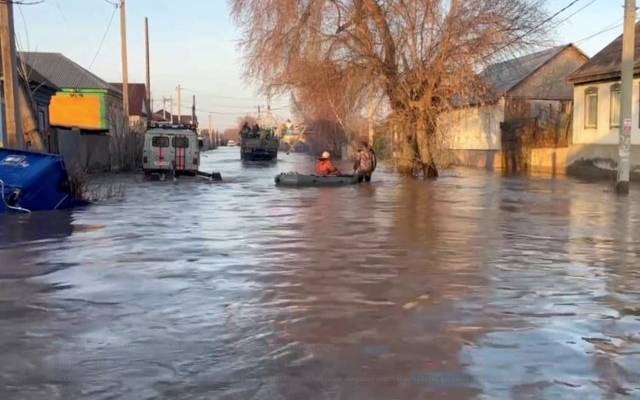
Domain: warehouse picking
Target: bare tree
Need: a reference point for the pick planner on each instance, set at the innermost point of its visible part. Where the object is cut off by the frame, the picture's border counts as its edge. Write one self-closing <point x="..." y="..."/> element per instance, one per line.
<point x="422" y="55"/>
<point x="126" y="141"/>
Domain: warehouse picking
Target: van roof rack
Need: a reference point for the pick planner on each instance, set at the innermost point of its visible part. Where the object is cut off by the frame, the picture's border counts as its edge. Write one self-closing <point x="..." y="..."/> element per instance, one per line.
<point x="169" y="125"/>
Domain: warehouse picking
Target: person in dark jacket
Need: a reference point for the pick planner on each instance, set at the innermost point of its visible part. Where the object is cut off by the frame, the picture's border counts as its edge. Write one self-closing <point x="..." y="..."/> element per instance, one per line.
<point x="366" y="162"/>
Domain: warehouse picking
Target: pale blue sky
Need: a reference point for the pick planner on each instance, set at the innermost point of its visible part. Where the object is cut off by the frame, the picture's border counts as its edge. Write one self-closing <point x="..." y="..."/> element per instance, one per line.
<point x="193" y="43"/>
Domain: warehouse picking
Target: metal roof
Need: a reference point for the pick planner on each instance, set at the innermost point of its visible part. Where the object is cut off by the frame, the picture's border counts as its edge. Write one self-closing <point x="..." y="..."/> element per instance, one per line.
<point x="504" y="76"/>
<point x="606" y="64"/>
<point x="63" y="72"/>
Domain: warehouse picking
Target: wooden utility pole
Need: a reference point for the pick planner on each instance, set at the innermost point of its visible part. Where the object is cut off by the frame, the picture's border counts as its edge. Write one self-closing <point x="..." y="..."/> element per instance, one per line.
<point x="125" y="66"/>
<point x="13" y="117"/>
<point x="148" y="67"/>
<point x="628" y="50"/>
<point x="193" y="111"/>
<point x="164" y="108"/>
<point x="179" y="103"/>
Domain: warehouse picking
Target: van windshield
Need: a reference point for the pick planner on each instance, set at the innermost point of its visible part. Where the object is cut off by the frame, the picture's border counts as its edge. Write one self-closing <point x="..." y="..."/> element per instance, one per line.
<point x="160" y="141"/>
<point x="180" y="142"/>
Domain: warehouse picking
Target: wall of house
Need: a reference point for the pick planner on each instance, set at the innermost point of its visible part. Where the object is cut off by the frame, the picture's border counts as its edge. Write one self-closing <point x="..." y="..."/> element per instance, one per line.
<point x="473" y="128"/>
<point x="604" y="133"/>
<point x="550" y="81"/>
<point x="595" y="150"/>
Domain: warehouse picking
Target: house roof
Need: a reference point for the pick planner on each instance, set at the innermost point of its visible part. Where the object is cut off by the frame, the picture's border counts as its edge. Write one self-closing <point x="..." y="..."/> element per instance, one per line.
<point x="137" y="98"/>
<point x="504" y="76"/>
<point x="606" y="64"/>
<point x="33" y="77"/>
<point x="63" y="72"/>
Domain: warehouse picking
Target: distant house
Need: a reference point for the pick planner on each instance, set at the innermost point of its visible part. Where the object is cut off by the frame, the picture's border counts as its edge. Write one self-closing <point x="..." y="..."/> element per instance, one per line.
<point x="596" y="121"/>
<point x="525" y="91"/>
<point x="137" y="102"/>
<point x="81" y="109"/>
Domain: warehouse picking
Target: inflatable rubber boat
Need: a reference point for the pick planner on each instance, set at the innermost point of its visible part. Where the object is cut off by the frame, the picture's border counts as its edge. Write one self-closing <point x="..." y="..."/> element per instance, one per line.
<point x="293" y="179"/>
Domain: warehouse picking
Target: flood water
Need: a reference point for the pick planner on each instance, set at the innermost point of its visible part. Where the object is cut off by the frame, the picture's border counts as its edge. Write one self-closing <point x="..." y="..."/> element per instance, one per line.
<point x="475" y="286"/>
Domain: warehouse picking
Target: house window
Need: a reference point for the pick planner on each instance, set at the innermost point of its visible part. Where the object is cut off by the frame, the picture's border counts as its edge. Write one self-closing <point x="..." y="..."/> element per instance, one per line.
<point x="614" y="115"/>
<point x="591" y="108"/>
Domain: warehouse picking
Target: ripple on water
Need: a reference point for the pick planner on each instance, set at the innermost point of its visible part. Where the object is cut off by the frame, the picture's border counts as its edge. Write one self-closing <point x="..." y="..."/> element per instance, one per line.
<point x="472" y="286"/>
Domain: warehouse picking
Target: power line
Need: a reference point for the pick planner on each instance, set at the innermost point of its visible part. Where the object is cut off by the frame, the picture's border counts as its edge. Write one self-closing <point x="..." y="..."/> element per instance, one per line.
<point x="605" y="30"/>
<point x="22" y="2"/>
<point x="104" y="36"/>
<point x="576" y="12"/>
<point x="202" y="110"/>
<point x="26" y="29"/>
<point x="535" y="28"/>
<point x="210" y="94"/>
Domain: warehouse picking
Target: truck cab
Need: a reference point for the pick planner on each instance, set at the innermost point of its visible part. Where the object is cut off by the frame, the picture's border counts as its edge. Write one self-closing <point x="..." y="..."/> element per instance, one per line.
<point x="171" y="149"/>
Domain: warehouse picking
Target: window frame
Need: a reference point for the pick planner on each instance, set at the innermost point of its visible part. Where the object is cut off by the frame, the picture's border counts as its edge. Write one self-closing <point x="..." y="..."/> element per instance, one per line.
<point x="156" y="139"/>
<point x="615" y="88"/>
<point x="590" y="91"/>
<point x="182" y="139"/>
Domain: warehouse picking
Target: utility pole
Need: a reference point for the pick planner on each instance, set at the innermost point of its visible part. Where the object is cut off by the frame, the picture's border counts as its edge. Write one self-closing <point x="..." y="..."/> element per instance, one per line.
<point x="125" y="66"/>
<point x="148" y="68"/>
<point x="628" y="50"/>
<point x="171" y="108"/>
<point x="193" y="111"/>
<point x="179" y="103"/>
<point x="164" y="108"/>
<point x="13" y="117"/>
<point x="212" y="136"/>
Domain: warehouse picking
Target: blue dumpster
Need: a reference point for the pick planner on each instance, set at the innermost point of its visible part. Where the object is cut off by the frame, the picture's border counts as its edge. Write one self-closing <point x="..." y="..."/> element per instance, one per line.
<point x="33" y="182"/>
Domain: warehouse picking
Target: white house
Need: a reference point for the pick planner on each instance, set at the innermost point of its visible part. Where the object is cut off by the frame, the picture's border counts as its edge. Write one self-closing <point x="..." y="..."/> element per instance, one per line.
<point x="596" y="121"/>
<point x="528" y="87"/>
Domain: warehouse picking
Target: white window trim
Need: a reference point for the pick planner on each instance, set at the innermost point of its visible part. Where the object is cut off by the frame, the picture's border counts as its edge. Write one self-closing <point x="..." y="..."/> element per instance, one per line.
<point x="591" y="91"/>
<point x="613" y="89"/>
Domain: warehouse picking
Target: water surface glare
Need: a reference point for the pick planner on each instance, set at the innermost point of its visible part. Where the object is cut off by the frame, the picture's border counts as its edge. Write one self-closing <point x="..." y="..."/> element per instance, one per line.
<point x="475" y="286"/>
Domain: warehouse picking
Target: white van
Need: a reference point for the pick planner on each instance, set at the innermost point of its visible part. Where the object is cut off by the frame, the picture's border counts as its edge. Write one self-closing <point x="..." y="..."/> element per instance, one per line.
<point x="171" y="149"/>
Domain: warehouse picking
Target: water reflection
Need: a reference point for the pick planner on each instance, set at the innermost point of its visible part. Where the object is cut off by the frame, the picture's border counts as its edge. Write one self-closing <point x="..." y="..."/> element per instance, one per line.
<point x="471" y="286"/>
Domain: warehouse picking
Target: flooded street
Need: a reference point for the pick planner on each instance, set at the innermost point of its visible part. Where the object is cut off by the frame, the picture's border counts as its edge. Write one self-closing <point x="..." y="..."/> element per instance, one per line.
<point x="471" y="287"/>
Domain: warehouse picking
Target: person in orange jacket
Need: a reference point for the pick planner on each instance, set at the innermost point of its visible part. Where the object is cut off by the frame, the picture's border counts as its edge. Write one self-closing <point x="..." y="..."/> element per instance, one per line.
<point x="324" y="166"/>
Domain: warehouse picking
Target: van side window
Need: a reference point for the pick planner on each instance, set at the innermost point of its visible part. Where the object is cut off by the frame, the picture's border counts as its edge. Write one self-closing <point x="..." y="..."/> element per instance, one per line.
<point x="160" y="141"/>
<point x="180" y="142"/>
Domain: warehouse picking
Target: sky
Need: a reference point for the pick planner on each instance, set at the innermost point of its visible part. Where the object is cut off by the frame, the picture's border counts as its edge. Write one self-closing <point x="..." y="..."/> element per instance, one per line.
<point x="194" y="43"/>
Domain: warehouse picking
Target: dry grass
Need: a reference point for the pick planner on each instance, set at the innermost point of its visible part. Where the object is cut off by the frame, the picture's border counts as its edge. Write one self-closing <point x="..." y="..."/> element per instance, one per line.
<point x="126" y="143"/>
<point x="88" y="187"/>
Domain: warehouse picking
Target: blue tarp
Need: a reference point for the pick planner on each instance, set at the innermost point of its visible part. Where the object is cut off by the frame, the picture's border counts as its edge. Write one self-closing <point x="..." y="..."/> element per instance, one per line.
<point x="33" y="181"/>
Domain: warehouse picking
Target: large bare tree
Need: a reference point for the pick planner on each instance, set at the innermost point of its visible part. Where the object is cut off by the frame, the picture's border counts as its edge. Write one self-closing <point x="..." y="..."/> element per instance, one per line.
<point x="422" y="55"/>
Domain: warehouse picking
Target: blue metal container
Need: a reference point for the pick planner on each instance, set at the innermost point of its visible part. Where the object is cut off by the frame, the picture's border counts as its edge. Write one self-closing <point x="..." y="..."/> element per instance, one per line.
<point x="33" y="182"/>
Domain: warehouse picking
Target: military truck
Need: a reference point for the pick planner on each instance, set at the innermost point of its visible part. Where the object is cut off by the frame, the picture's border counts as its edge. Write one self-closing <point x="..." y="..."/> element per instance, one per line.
<point x="259" y="145"/>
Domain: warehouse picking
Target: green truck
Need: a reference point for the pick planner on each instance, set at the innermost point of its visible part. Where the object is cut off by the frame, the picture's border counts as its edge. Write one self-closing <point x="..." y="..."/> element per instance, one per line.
<point x="259" y="145"/>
